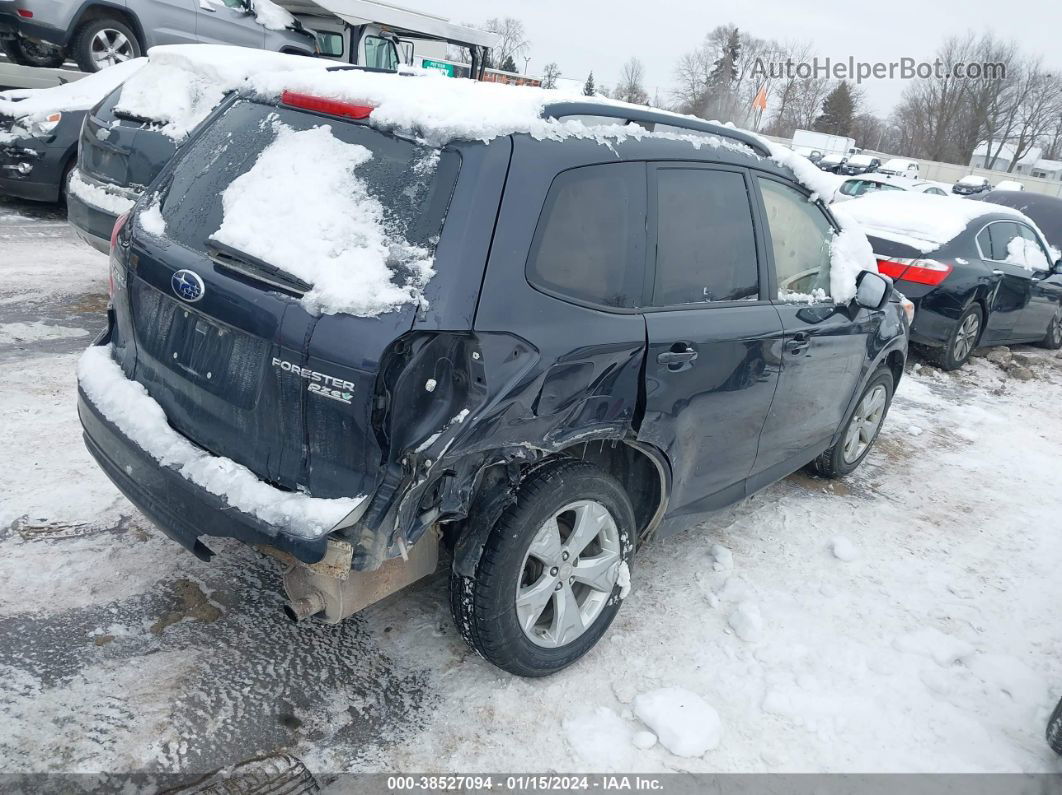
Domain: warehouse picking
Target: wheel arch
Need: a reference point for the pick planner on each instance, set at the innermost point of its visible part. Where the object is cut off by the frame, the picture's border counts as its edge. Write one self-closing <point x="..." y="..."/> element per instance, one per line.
<point x="96" y="9"/>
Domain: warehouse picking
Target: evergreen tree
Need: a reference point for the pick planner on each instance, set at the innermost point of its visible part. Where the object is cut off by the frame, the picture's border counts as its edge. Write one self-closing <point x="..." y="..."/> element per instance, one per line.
<point x="509" y="65"/>
<point x="589" y="89"/>
<point x="838" y="111"/>
<point x="725" y="69"/>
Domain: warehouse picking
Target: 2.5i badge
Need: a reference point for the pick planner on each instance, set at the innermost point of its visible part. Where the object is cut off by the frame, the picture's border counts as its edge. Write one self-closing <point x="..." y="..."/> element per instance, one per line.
<point x="319" y="383"/>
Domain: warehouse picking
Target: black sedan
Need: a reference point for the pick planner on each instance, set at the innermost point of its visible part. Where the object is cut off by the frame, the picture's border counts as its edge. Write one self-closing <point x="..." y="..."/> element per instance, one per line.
<point x="988" y="278"/>
<point x="971" y="185"/>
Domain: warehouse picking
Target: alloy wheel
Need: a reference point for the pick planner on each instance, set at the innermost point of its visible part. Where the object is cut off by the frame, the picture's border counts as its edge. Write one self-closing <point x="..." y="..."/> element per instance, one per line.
<point x="966" y="337"/>
<point x="865" y="423"/>
<point x="110" y="47"/>
<point x="568" y="574"/>
<point x="1054" y="334"/>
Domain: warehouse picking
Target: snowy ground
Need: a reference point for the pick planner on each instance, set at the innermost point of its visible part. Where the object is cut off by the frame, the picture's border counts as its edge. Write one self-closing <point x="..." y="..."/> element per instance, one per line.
<point x="904" y="619"/>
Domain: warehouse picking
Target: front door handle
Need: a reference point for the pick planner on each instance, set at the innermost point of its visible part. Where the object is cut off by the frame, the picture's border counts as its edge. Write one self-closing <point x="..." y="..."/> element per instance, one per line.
<point x="684" y="355"/>
<point x="798" y="343"/>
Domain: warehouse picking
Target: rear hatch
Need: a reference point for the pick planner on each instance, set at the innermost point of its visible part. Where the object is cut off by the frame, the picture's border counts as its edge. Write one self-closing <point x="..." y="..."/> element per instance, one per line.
<point x="245" y="364"/>
<point x="120" y="149"/>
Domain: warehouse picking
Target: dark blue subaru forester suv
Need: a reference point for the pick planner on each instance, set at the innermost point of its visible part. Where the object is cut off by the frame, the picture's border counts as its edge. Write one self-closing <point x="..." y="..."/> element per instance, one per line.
<point x="584" y="340"/>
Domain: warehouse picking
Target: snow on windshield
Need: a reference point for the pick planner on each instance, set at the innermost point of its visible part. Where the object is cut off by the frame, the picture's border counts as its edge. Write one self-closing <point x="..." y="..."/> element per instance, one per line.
<point x="860" y="160"/>
<point x="972" y="180"/>
<point x="78" y="95"/>
<point x="322" y="225"/>
<point x="920" y="220"/>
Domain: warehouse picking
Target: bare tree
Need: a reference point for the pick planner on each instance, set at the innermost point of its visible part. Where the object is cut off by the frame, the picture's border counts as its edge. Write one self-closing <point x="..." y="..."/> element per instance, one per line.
<point x="514" y="42"/>
<point x="550" y="73"/>
<point x="630" y="88"/>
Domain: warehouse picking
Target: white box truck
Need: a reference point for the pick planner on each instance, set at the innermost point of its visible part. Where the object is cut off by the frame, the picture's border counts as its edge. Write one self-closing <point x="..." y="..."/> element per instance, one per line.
<point x="806" y="142"/>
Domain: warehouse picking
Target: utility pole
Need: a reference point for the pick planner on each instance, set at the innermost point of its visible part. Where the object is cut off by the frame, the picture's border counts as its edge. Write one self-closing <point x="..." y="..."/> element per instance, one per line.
<point x="527" y="59"/>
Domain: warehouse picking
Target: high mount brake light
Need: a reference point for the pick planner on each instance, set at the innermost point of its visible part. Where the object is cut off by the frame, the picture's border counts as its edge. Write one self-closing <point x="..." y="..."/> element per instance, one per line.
<point x="919" y="271"/>
<point x="333" y="107"/>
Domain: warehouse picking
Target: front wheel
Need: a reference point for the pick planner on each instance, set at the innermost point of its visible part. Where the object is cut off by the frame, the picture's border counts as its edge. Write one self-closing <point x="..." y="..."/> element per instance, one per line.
<point x="1053" y="339"/>
<point x="1054" y="729"/>
<point x="553" y="571"/>
<point x="861" y="430"/>
<point x="32" y="53"/>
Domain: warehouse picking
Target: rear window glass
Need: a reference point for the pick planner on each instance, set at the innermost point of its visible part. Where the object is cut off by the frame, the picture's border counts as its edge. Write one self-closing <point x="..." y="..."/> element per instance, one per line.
<point x="411" y="183"/>
<point x="590" y="240"/>
<point x="706" y="247"/>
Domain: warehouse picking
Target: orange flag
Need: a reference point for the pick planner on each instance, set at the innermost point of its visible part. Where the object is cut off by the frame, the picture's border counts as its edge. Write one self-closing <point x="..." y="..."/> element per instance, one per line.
<point x="761" y="99"/>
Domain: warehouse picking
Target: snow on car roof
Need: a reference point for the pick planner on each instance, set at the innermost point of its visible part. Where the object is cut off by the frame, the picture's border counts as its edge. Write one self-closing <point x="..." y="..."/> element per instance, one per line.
<point x="972" y="179"/>
<point x="920" y="220"/>
<point x="77" y="95"/>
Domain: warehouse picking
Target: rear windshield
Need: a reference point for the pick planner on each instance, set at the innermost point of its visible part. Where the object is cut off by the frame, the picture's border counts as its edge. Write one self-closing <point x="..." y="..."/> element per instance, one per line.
<point x="310" y="188"/>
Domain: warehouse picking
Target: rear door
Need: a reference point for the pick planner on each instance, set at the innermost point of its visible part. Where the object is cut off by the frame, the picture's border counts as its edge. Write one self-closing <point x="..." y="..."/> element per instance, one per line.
<point x="714" y="339"/>
<point x="228" y="22"/>
<point x="825" y="348"/>
<point x="173" y="22"/>
<point x="1043" y="297"/>
<point x="1013" y="285"/>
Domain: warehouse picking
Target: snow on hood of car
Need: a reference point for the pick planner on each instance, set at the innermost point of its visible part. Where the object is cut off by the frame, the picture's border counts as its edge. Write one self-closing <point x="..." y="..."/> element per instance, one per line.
<point x="183" y="83"/>
<point x="137" y="415"/>
<point x="920" y="220"/>
<point x="972" y="180"/>
<point x="76" y="95"/>
<point x="860" y="160"/>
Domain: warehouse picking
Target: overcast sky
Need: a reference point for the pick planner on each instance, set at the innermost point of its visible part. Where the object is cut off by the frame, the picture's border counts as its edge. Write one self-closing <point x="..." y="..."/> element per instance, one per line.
<point x="581" y="35"/>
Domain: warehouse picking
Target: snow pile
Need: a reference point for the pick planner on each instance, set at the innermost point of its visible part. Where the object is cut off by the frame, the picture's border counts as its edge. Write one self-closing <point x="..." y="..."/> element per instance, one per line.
<point x="78" y="95"/>
<point x="151" y="220"/>
<point x="843" y="549"/>
<point x="920" y="220"/>
<point x="98" y="197"/>
<point x="128" y="405"/>
<point x="822" y="184"/>
<point x="271" y="16"/>
<point x="1026" y="254"/>
<point x="850" y="254"/>
<point x="746" y="621"/>
<point x="183" y="83"/>
<point x="602" y="739"/>
<point x="322" y="225"/>
<point x="685" y="723"/>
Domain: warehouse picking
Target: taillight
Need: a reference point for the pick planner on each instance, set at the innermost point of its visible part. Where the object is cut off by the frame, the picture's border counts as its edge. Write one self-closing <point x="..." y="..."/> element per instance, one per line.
<point x="25" y="13"/>
<point x="118" y="224"/>
<point x="333" y="107"/>
<point x="919" y="271"/>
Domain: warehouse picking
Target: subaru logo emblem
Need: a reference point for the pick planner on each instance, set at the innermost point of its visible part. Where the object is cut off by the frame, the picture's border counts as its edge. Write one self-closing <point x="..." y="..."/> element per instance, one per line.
<point x="187" y="285"/>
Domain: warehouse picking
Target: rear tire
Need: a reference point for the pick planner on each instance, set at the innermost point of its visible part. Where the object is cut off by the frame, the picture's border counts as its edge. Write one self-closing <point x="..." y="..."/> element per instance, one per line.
<point x="31" y="53"/>
<point x="1053" y="339"/>
<point x="861" y="431"/>
<point x="103" y="42"/>
<point x="530" y="608"/>
<point x="961" y="343"/>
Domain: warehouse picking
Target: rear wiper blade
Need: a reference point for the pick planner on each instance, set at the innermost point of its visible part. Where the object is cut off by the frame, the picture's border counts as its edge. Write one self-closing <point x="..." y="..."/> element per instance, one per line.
<point x="249" y="266"/>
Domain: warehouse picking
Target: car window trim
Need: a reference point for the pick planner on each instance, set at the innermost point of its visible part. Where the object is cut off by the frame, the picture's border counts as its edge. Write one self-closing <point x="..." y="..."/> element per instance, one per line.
<point x="653" y="167"/>
<point x="977" y="242"/>
<point x="761" y="210"/>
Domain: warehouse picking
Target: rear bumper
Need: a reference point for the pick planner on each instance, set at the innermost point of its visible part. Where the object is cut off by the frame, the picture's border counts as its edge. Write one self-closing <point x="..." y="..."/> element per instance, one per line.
<point x="93" y="224"/>
<point x="11" y="24"/>
<point x="935" y="316"/>
<point x="181" y="509"/>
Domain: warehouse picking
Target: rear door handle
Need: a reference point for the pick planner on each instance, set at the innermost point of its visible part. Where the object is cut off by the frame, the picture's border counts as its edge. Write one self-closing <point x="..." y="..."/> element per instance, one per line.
<point x="798" y="343"/>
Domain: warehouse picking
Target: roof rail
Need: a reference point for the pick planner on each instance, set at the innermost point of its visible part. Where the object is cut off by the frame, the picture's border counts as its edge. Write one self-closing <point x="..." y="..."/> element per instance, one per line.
<point x="558" y="110"/>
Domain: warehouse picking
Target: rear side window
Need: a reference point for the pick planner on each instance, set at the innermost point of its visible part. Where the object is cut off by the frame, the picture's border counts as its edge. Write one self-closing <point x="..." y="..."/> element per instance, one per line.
<point x="590" y="241"/>
<point x="800" y="236"/>
<point x="853" y="187"/>
<point x="706" y="247"/>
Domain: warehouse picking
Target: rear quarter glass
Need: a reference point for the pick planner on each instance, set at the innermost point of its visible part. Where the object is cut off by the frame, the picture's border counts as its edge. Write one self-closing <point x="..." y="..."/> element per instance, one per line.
<point x="413" y="182"/>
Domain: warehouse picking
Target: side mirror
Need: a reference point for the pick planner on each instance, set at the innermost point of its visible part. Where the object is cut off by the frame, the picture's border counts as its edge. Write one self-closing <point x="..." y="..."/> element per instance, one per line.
<point x="872" y="290"/>
<point x="1057" y="267"/>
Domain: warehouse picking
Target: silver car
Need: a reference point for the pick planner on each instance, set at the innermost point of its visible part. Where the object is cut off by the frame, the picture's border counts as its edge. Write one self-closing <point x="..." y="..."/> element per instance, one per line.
<point x="100" y="34"/>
